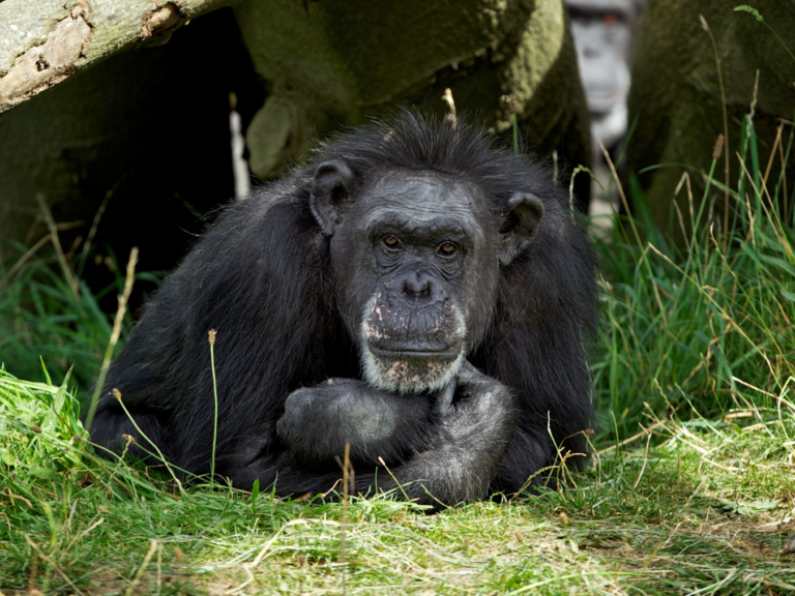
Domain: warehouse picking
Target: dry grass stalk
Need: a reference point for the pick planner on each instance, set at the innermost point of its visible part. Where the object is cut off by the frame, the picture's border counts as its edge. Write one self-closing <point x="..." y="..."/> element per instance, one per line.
<point x="114" y="335"/>
<point x="67" y="271"/>
<point x="452" y="117"/>
<point x="706" y="28"/>
<point x="24" y="259"/>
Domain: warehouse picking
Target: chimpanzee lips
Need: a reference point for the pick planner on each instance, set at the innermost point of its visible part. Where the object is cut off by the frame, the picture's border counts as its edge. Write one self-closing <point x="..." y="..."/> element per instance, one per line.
<point x="411" y="348"/>
<point x="403" y="368"/>
<point x="416" y="352"/>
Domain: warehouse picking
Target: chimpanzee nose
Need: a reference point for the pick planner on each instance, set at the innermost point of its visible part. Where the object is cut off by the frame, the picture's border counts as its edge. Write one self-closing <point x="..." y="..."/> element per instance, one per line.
<point x="417" y="285"/>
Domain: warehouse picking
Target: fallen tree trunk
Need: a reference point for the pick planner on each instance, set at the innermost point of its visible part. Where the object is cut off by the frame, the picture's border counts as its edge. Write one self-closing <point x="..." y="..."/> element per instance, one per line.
<point x="44" y="42"/>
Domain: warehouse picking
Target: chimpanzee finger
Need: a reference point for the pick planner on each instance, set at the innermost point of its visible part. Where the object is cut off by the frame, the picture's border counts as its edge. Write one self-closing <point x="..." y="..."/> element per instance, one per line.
<point x="468" y="373"/>
<point x="444" y="399"/>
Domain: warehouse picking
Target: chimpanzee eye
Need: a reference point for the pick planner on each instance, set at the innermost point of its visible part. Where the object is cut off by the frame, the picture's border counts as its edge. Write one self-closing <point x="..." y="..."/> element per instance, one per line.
<point x="391" y="242"/>
<point x="447" y="249"/>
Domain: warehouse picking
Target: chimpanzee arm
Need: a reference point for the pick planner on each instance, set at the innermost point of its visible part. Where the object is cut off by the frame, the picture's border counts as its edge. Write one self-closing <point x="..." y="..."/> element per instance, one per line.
<point x="452" y="445"/>
<point x="463" y="456"/>
<point x="319" y="421"/>
<point x="457" y="442"/>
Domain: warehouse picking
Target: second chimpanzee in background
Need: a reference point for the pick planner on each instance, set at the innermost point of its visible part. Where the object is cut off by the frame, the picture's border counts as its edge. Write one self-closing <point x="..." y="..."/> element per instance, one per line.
<point x="414" y="292"/>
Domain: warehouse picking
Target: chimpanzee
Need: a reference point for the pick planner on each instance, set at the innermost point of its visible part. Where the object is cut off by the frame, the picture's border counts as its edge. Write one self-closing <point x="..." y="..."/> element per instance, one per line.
<point x="415" y="292"/>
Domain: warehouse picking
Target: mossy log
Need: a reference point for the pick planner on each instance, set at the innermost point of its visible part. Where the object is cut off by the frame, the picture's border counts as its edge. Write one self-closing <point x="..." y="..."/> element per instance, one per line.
<point x="677" y="100"/>
<point x="342" y="62"/>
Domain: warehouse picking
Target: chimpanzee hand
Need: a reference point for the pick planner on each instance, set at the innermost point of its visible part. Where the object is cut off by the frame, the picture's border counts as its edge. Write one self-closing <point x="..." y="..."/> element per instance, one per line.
<point x="318" y="421"/>
<point x="447" y="445"/>
<point x="470" y="378"/>
<point x="477" y="419"/>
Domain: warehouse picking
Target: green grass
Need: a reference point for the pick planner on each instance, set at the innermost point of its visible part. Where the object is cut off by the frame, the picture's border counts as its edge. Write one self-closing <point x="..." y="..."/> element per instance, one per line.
<point x="706" y="509"/>
<point x="42" y="318"/>
<point x="692" y="490"/>
<point x="707" y="331"/>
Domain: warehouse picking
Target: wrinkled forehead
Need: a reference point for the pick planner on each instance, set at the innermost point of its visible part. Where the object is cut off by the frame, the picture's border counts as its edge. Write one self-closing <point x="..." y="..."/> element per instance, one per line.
<point x="424" y="194"/>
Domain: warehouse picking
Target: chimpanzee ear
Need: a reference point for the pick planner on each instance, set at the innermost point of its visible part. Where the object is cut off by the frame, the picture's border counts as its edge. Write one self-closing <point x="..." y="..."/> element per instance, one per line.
<point x="521" y="219"/>
<point x="330" y="190"/>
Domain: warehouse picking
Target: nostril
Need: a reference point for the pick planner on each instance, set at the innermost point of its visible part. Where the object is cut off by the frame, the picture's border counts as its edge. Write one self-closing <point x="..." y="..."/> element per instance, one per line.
<point x="417" y="286"/>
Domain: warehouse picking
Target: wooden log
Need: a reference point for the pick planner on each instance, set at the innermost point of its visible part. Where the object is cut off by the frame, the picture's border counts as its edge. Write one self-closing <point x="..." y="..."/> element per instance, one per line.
<point x="44" y="42"/>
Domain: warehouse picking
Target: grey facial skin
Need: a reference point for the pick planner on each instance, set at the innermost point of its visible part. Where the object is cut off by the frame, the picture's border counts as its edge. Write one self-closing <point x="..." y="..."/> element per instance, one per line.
<point x="603" y="31"/>
<point x="413" y="331"/>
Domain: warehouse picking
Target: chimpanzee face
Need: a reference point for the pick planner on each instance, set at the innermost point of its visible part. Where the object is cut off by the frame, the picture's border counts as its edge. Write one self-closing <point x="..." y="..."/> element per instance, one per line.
<point x="416" y="257"/>
<point x="415" y="245"/>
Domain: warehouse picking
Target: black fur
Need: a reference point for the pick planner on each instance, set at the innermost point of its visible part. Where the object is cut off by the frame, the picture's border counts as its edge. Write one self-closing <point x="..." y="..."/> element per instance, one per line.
<point x="262" y="277"/>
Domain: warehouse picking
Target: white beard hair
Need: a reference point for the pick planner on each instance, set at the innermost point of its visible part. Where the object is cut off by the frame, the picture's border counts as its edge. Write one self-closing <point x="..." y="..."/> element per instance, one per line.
<point x="399" y="376"/>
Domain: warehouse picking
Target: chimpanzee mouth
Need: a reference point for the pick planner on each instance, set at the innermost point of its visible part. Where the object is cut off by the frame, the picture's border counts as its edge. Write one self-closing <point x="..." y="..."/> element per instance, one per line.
<point x="411" y="371"/>
<point x="404" y="356"/>
<point x="397" y="353"/>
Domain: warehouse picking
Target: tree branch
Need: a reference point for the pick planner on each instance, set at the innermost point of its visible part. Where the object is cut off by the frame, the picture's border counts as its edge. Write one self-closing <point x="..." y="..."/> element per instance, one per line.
<point x="43" y="42"/>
